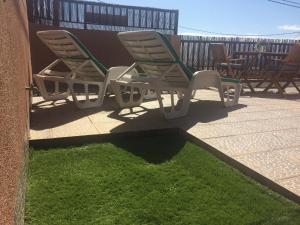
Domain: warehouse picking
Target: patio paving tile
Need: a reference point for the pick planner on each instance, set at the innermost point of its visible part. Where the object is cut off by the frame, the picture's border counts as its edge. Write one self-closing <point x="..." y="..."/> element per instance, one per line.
<point x="257" y="142"/>
<point x="261" y="115"/>
<point x="40" y="134"/>
<point x="266" y="162"/>
<point x="262" y="108"/>
<point x="79" y="127"/>
<point x="213" y="130"/>
<point x="244" y="144"/>
<point x="274" y="124"/>
<point x="292" y="184"/>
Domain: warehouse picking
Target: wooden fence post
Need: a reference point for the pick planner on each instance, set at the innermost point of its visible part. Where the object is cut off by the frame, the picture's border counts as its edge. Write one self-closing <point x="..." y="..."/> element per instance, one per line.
<point x="85" y="17"/>
<point x="176" y="22"/>
<point x="56" y="10"/>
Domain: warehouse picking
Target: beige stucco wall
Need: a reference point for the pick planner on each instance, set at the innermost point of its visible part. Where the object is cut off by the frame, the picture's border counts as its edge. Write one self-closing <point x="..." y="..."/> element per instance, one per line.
<point x="15" y="70"/>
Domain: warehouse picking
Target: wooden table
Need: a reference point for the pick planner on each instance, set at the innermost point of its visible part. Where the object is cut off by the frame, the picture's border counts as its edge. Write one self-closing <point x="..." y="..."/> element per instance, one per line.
<point x="280" y="54"/>
<point x="258" y="59"/>
<point x="254" y="65"/>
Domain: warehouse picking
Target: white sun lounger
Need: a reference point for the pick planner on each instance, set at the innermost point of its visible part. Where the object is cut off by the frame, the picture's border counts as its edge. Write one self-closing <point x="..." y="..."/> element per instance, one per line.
<point x="83" y="71"/>
<point x="165" y="73"/>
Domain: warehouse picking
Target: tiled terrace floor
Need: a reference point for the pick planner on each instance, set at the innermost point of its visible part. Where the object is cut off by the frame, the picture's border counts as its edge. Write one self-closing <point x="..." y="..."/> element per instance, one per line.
<point x="262" y="132"/>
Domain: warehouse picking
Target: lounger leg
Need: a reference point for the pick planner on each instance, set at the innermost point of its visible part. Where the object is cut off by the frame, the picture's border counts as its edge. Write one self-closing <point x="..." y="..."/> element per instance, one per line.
<point x="174" y="109"/>
<point x="85" y="100"/>
<point x="221" y="92"/>
<point x="227" y="97"/>
<point x="150" y="94"/>
<point x="128" y="95"/>
<point x="194" y="93"/>
<point x="56" y="95"/>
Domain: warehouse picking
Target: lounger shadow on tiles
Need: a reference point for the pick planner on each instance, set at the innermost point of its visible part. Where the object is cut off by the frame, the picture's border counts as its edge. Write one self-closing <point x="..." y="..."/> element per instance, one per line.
<point x="165" y="73"/>
<point x="85" y="77"/>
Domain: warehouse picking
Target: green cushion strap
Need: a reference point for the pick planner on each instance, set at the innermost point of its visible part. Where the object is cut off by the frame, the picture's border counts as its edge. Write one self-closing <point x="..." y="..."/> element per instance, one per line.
<point x="187" y="71"/>
<point x="226" y="79"/>
<point x="82" y="46"/>
<point x="155" y="61"/>
<point x="79" y="58"/>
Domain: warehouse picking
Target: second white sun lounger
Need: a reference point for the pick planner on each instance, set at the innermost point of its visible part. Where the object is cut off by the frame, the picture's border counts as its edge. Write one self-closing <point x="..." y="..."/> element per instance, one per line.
<point x="165" y="73"/>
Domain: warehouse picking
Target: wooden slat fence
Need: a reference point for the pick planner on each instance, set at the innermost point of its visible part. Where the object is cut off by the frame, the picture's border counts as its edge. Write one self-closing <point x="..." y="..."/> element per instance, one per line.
<point x="101" y="16"/>
<point x="195" y="50"/>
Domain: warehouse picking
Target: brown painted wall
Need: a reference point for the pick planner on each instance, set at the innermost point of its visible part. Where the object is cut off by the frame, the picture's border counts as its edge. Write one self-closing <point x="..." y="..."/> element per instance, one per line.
<point x="15" y="70"/>
<point x="105" y="45"/>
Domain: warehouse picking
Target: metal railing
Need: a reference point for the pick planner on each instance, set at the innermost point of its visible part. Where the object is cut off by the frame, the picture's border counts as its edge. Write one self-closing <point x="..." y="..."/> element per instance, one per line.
<point x="196" y="54"/>
<point x="101" y="16"/>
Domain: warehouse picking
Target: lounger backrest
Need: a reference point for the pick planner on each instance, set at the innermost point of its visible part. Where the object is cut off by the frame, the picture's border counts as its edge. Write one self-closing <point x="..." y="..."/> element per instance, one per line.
<point x="68" y="47"/>
<point x="153" y="52"/>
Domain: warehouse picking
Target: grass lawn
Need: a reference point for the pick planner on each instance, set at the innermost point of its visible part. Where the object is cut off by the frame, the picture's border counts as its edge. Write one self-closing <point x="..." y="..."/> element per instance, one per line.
<point x="151" y="180"/>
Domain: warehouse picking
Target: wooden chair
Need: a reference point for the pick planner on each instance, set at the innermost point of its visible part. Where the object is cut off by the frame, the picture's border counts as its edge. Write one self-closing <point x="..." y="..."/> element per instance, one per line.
<point x="286" y="71"/>
<point x="225" y="65"/>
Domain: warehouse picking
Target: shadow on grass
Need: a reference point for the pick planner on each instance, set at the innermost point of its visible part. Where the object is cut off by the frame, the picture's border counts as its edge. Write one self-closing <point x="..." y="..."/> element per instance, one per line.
<point x="154" y="150"/>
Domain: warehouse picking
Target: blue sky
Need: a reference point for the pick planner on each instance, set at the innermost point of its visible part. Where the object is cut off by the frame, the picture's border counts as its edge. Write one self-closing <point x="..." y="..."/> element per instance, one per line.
<point x="249" y="17"/>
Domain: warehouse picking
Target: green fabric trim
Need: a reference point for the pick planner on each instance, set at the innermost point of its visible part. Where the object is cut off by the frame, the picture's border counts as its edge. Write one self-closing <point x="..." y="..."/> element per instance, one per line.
<point x="187" y="71"/>
<point x="155" y="61"/>
<point x="142" y="75"/>
<point x="226" y="79"/>
<point x="234" y="65"/>
<point x="91" y="56"/>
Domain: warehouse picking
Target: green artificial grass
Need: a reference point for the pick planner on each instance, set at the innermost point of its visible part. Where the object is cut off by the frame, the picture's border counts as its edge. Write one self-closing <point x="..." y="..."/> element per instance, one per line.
<point x="150" y="180"/>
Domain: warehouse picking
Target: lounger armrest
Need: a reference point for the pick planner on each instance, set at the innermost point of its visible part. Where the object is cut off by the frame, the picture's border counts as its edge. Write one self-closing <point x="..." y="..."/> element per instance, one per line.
<point x="278" y="61"/>
<point x="205" y="79"/>
<point x="53" y="73"/>
<point x="47" y="77"/>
